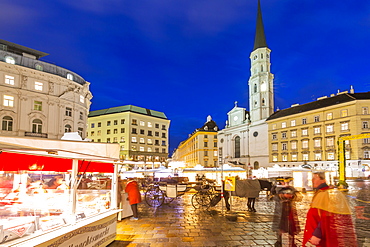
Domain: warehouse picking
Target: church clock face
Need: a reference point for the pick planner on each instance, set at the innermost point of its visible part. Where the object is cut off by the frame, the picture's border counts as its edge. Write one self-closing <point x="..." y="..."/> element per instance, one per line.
<point x="235" y="118"/>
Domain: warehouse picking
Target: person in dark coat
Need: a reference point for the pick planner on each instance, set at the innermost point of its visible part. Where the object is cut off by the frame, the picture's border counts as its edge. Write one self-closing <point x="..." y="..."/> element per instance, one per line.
<point x="134" y="196"/>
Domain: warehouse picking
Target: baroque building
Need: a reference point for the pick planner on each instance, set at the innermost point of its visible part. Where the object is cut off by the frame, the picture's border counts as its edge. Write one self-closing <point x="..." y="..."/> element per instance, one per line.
<point x="200" y="148"/>
<point x="244" y="141"/>
<point x="142" y="133"/>
<point x="40" y="99"/>
<point x="309" y="133"/>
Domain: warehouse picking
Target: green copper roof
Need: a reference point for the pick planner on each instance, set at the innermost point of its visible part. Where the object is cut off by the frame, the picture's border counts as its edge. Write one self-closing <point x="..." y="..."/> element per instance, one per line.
<point x="260" y="39"/>
<point x="128" y="108"/>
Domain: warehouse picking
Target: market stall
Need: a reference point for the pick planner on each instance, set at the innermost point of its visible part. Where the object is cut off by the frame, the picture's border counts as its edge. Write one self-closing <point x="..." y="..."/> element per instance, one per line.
<point x="57" y="193"/>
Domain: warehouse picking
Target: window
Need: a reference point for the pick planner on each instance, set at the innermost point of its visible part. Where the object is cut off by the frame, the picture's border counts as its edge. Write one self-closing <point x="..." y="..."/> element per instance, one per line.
<point x="284" y="157"/>
<point x="36" y="126"/>
<point x="156" y="133"/>
<point x="329" y="116"/>
<point x="141" y="149"/>
<point x="317" y="143"/>
<point x="366" y="154"/>
<point x="150" y="124"/>
<point x="142" y="140"/>
<point x="37" y="105"/>
<point x="93" y="125"/>
<point x="348" y="155"/>
<point x="81" y="115"/>
<point x="115" y="122"/>
<point x="69" y="112"/>
<point x="344" y="126"/>
<point x="122" y="147"/>
<point x="344" y="113"/>
<point x="331" y="156"/>
<point x="108" y="123"/>
<point x="156" y="126"/>
<point x="366" y="140"/>
<point x="150" y="133"/>
<point x="304" y="132"/>
<point x="317" y="130"/>
<point x="365" y="124"/>
<point x="330" y="128"/>
<point x="133" y="139"/>
<point x="293" y="145"/>
<point x="163" y="127"/>
<point x="163" y="135"/>
<point x="9" y="59"/>
<point x="134" y="122"/>
<point x="7" y="123"/>
<point x="365" y="110"/>
<point x="99" y="140"/>
<point x="305" y="156"/>
<point x="206" y="153"/>
<point x="69" y="76"/>
<point x="284" y="146"/>
<point x="38" y="86"/>
<point x="99" y="132"/>
<point x="122" y="130"/>
<point x="294" y="157"/>
<point x="80" y="131"/>
<point x="274" y="147"/>
<point x="293" y="133"/>
<point x="317" y="156"/>
<point x="205" y="144"/>
<point x="150" y="141"/>
<point x="274" y="158"/>
<point x="122" y="121"/>
<point x="274" y="126"/>
<point x="156" y="142"/>
<point x="304" y="120"/>
<point x="108" y="132"/>
<point x="283" y="135"/>
<point x="133" y="131"/>
<point x="115" y="131"/>
<point x="215" y="144"/>
<point x="67" y="128"/>
<point x="115" y="139"/>
<point x="9" y="80"/>
<point x="92" y="133"/>
<point x="283" y="125"/>
<point x="255" y="88"/>
<point x="237" y="147"/>
<point x="317" y="119"/>
<point x="142" y="132"/>
<point x="163" y="143"/>
<point x="142" y="123"/>
<point x="108" y="140"/>
<point x="205" y="136"/>
<point x="122" y="139"/>
<point x="304" y="143"/>
<point x="274" y="137"/>
<point x="8" y="100"/>
<point x="292" y="123"/>
<point x="149" y="149"/>
<point x="157" y="150"/>
<point x="215" y="153"/>
<point x="39" y="67"/>
<point x="330" y="142"/>
<point x="99" y="124"/>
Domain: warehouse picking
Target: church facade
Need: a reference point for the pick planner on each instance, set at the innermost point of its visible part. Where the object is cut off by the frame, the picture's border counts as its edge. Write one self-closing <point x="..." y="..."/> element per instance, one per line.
<point x="244" y="141"/>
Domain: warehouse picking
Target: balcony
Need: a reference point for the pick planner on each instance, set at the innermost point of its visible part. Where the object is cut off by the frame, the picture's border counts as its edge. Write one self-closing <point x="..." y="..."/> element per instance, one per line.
<point x="40" y="135"/>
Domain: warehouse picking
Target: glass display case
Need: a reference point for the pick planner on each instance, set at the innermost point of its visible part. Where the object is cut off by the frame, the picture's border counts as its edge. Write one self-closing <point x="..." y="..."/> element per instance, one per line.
<point x="35" y="202"/>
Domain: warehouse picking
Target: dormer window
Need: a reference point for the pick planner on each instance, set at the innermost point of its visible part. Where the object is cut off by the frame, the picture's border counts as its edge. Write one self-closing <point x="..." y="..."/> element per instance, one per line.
<point x="69" y="76"/>
<point x="9" y="59"/>
<point x="39" y="67"/>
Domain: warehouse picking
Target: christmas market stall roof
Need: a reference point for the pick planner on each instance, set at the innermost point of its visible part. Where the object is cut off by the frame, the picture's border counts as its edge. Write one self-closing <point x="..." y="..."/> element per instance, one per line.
<point x="19" y="153"/>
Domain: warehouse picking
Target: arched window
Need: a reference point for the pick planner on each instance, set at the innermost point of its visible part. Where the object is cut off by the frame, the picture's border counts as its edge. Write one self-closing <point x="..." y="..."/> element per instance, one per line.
<point x="10" y="60"/>
<point x="7" y="123"/>
<point x="256" y="165"/>
<point x="69" y="76"/>
<point x="37" y="126"/>
<point x="237" y="147"/>
<point x="263" y="86"/>
<point x="67" y="128"/>
<point x="263" y="102"/>
<point x="255" y="88"/>
<point x="261" y="68"/>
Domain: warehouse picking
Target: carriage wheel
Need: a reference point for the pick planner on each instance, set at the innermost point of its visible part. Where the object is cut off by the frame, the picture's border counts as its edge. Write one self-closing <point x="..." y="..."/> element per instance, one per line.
<point x="201" y="200"/>
<point x="154" y="197"/>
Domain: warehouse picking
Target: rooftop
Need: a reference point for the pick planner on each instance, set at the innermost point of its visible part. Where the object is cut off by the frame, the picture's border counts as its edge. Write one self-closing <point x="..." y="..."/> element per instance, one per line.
<point x="128" y="108"/>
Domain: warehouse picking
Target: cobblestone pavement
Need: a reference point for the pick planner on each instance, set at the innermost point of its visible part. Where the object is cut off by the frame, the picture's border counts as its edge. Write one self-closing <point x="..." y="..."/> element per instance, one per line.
<point x="179" y="224"/>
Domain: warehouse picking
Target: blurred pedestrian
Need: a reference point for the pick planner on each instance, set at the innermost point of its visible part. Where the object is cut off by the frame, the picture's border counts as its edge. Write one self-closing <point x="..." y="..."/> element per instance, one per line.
<point x="329" y="222"/>
<point x="286" y="217"/>
<point x="134" y="196"/>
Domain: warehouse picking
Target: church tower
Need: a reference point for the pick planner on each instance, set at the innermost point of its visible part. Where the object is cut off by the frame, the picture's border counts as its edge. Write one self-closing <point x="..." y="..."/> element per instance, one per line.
<point x="261" y="87"/>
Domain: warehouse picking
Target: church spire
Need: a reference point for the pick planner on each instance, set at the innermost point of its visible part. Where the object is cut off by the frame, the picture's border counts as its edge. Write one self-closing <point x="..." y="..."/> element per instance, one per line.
<point x="260" y="39"/>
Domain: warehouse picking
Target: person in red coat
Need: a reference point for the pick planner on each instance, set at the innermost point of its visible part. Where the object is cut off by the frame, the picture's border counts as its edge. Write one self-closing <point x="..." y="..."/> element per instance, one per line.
<point x="329" y="222"/>
<point x="134" y="196"/>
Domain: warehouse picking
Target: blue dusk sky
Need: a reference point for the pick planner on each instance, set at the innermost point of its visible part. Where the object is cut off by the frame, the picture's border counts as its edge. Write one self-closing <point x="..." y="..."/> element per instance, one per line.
<point x="190" y="58"/>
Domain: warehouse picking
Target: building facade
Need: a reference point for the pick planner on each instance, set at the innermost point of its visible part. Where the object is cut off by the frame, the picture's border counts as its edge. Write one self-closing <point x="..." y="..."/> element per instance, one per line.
<point x="142" y="133"/>
<point x="40" y="99"/>
<point x="200" y="148"/>
<point x="308" y="134"/>
<point x="243" y="141"/>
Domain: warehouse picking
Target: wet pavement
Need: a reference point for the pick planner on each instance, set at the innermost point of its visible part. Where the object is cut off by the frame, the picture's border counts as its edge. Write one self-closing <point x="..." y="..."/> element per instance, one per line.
<point x="179" y="224"/>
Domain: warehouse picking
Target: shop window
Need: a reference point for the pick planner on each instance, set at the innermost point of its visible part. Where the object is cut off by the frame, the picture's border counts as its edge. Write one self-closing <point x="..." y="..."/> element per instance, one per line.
<point x="7" y="123"/>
